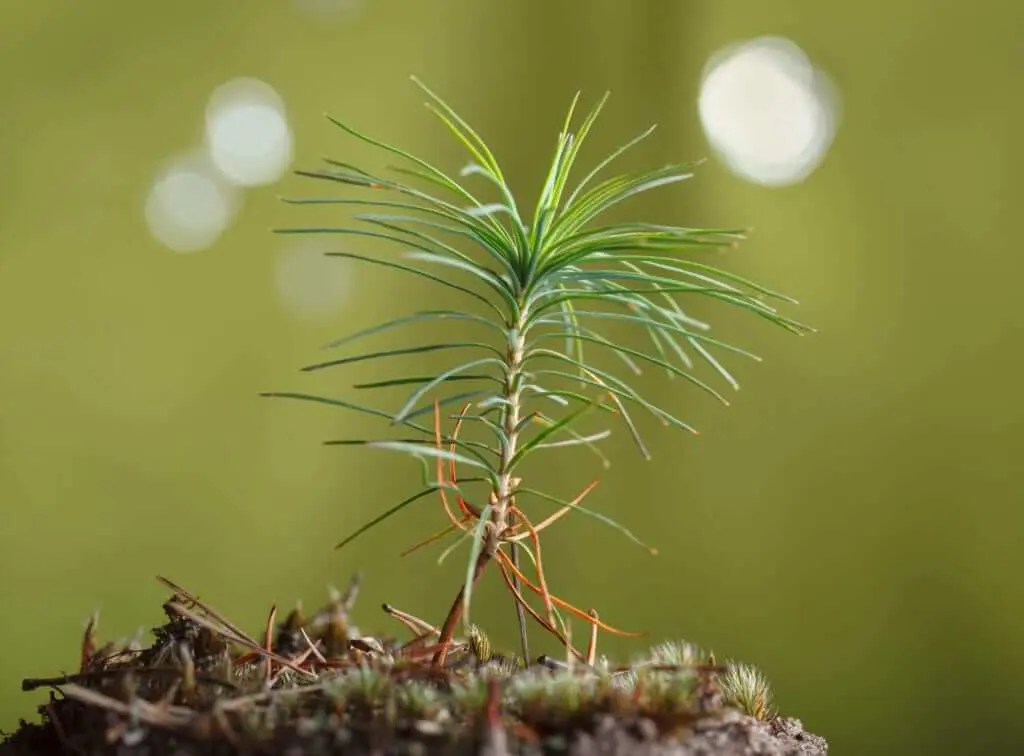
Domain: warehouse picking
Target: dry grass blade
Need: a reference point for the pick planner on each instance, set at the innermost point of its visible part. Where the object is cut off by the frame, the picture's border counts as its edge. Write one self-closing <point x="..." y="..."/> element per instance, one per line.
<point x="187" y="597"/>
<point x="312" y="648"/>
<point x="415" y="624"/>
<point x="592" y="645"/>
<point x="156" y="716"/>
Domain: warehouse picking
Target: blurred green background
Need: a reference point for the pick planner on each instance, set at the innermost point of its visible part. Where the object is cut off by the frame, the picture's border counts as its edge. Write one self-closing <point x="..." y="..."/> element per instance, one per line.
<point x="851" y="524"/>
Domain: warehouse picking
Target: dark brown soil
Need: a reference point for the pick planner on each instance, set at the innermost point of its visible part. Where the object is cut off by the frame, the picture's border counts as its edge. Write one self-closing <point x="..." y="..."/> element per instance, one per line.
<point x="205" y="687"/>
<point x="731" y="734"/>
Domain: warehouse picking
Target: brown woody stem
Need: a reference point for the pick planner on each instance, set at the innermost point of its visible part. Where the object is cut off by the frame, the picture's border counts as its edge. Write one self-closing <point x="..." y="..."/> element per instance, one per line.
<point x="455" y="613"/>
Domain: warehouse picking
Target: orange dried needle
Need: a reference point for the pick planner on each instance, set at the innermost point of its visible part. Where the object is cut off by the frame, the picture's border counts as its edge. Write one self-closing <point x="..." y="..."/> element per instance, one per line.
<point x="545" y="594"/>
<point x="561" y="512"/>
<point x="465" y="506"/>
<point x="505" y="560"/>
<point x="504" y="563"/>
<point x="440" y="467"/>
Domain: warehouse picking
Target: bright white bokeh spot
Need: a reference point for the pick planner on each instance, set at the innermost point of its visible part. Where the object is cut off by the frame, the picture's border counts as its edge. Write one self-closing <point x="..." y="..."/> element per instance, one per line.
<point x="189" y="205"/>
<point x="767" y="112"/>
<point x="309" y="283"/>
<point x="247" y="132"/>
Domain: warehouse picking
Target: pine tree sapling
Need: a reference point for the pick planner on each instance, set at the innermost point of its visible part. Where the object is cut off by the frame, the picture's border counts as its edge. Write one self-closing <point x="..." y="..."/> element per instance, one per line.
<point x="540" y="285"/>
<point x="540" y="295"/>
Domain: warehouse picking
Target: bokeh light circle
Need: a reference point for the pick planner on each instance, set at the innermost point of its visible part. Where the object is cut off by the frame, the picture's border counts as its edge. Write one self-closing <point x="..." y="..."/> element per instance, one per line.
<point x="309" y="283"/>
<point x="189" y="205"/>
<point x="767" y="112"/>
<point x="247" y="132"/>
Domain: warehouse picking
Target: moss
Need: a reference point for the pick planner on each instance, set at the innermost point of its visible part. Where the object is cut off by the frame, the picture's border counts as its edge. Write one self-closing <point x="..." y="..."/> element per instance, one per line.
<point x="205" y="687"/>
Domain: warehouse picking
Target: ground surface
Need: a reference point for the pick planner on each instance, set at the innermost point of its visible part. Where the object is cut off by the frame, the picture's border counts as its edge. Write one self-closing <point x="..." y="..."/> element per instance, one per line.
<point x="314" y="687"/>
<point x="733" y="735"/>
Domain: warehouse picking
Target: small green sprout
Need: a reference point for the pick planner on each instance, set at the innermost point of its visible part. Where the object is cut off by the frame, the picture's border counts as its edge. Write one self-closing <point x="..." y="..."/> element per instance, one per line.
<point x="746" y="688"/>
<point x="538" y="285"/>
<point x="677" y="653"/>
<point x="479" y="644"/>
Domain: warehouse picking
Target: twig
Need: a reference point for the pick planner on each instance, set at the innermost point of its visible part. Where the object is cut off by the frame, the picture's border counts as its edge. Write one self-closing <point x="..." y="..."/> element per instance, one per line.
<point x="32" y="683"/>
